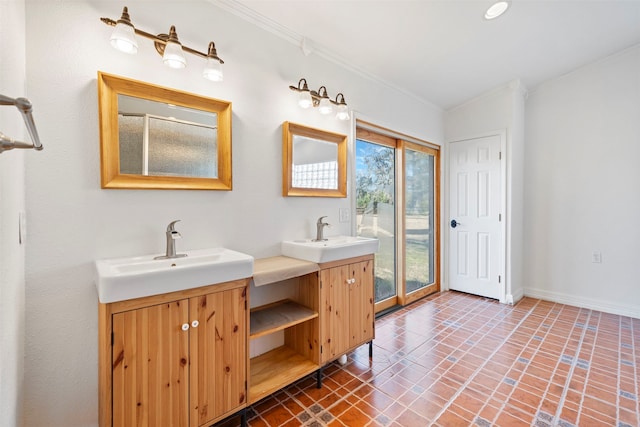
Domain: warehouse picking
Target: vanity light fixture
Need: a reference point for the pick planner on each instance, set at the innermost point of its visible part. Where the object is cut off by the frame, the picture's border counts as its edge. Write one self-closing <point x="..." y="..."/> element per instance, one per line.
<point x="497" y="9"/>
<point x="168" y="45"/>
<point x="320" y="98"/>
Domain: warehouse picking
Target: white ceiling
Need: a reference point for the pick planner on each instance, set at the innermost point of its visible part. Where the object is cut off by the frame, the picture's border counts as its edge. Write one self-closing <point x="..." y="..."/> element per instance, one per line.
<point x="444" y="51"/>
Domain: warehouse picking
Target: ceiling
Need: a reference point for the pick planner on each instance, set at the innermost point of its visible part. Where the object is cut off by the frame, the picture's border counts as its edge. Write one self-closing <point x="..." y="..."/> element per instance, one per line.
<point x="443" y="51"/>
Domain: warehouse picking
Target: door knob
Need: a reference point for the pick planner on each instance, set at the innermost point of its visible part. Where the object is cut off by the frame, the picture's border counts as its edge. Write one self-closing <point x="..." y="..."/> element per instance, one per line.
<point x="454" y="223"/>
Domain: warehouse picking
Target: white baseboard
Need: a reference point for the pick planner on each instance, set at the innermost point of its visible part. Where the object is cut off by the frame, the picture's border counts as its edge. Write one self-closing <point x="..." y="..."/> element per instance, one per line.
<point x="584" y="302"/>
<point x="514" y="297"/>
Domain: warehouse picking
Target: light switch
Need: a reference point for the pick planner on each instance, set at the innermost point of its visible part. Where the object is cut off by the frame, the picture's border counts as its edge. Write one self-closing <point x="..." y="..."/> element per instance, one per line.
<point x="344" y="215"/>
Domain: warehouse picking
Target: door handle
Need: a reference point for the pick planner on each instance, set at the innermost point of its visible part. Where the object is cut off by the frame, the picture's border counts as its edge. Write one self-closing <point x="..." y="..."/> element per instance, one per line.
<point x="454" y="223"/>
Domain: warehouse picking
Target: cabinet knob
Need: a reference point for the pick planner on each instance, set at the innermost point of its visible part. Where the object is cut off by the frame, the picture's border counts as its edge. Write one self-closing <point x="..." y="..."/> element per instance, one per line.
<point x="195" y="324"/>
<point x="185" y="326"/>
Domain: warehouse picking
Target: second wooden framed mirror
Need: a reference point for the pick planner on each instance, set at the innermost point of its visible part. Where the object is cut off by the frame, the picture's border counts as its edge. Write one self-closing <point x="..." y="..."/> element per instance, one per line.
<point x="314" y="162"/>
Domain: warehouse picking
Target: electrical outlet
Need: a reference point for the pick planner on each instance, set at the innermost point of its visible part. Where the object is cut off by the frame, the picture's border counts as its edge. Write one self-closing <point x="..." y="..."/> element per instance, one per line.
<point x="344" y="215"/>
<point x="596" y="257"/>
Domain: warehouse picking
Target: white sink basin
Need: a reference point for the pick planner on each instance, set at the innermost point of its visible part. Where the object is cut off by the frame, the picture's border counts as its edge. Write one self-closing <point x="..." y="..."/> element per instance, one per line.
<point x="121" y="279"/>
<point x="335" y="248"/>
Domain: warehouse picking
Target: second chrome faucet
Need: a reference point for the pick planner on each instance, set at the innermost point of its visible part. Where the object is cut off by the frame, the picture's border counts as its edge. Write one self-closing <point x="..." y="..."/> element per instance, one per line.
<point x="172" y="235"/>
<point x="320" y="230"/>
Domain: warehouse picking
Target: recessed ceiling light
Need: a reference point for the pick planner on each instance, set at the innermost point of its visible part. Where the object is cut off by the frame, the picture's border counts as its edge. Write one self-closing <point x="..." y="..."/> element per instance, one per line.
<point x="497" y="9"/>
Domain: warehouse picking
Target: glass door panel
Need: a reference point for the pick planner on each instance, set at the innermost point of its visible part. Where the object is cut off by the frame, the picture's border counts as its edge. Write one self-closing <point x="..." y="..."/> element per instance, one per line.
<point x="419" y="220"/>
<point x="375" y="213"/>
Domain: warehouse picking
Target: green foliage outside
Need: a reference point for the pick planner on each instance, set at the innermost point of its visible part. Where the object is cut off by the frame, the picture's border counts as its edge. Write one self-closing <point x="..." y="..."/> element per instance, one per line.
<point x="374" y="182"/>
<point x="375" y="197"/>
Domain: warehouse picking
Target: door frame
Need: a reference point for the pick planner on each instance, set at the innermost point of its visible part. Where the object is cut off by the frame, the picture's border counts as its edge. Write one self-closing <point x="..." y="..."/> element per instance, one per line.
<point x="396" y="140"/>
<point x="504" y="161"/>
<point x="404" y="297"/>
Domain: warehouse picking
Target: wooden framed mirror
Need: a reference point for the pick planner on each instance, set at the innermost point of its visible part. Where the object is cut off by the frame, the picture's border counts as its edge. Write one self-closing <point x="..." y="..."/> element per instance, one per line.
<point x="152" y="137"/>
<point x="314" y="162"/>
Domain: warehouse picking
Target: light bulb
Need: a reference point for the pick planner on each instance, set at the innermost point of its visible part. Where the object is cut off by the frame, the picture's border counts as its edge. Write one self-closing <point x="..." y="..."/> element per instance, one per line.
<point x="123" y="38"/>
<point x="325" y="106"/>
<point x="212" y="70"/>
<point x="304" y="99"/>
<point x="343" y="112"/>
<point x="173" y="56"/>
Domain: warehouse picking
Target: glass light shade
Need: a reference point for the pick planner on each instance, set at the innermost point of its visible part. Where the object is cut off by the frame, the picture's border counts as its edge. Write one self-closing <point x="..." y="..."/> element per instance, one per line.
<point x="305" y="100"/>
<point x="173" y="56"/>
<point x="325" y="106"/>
<point x="343" y="112"/>
<point x="496" y="9"/>
<point x="123" y="38"/>
<point x="212" y="70"/>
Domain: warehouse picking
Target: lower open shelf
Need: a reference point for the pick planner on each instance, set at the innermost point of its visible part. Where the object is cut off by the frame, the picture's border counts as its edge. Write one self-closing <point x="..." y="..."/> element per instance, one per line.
<point x="275" y="369"/>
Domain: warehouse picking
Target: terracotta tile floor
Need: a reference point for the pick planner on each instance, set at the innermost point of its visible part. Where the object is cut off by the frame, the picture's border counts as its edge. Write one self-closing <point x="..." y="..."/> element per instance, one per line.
<point x="457" y="360"/>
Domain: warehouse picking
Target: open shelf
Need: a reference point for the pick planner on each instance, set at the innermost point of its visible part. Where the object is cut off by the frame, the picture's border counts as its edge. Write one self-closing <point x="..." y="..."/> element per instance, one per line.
<point x="278" y="316"/>
<point x="272" y="370"/>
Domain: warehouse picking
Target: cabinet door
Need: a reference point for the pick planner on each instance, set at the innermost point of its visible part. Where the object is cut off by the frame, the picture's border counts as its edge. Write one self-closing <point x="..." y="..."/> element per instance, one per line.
<point x="361" y="304"/>
<point x="218" y="354"/>
<point x="334" y="312"/>
<point x="150" y="366"/>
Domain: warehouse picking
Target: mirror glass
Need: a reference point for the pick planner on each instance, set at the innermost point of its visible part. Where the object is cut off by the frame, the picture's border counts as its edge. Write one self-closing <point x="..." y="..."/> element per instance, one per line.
<point x="159" y="138"/>
<point x="148" y="133"/>
<point x="314" y="162"/>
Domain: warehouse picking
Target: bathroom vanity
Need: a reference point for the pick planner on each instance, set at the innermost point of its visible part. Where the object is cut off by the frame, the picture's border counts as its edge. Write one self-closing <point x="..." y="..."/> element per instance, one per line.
<point x="183" y="358"/>
<point x="174" y="359"/>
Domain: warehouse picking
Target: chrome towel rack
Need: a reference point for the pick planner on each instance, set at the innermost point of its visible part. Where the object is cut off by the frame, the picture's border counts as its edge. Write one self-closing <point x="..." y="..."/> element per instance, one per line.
<point x="25" y="108"/>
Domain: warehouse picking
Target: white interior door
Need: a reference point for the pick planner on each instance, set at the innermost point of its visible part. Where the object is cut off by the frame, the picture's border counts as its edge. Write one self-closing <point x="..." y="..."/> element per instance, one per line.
<point x="475" y="229"/>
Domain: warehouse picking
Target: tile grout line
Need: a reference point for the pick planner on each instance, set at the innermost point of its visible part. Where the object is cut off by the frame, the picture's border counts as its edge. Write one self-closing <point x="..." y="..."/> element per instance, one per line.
<point x="475" y="373"/>
<point x="592" y="314"/>
<point x="635" y="370"/>
<point x="618" y="384"/>
<point x="552" y="320"/>
<point x="635" y="364"/>
<point x="570" y="373"/>
<point x="547" y="316"/>
<point x="461" y="313"/>
<point x="458" y="312"/>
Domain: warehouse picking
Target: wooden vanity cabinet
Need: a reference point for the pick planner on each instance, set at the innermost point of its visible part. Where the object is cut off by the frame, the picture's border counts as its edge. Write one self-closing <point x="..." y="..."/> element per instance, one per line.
<point x="347" y="306"/>
<point x="176" y="359"/>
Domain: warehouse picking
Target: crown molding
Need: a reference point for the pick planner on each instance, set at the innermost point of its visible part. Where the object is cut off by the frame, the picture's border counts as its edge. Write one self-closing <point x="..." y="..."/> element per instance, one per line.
<point x="307" y="45"/>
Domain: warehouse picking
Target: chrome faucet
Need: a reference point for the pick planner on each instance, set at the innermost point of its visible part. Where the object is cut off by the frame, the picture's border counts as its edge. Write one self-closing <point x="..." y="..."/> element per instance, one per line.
<point x="320" y="229"/>
<point x="172" y="235"/>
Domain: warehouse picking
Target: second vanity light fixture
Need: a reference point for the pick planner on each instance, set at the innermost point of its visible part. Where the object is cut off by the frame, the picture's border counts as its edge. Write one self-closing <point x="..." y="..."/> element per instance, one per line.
<point x="320" y="99"/>
<point x="167" y="45"/>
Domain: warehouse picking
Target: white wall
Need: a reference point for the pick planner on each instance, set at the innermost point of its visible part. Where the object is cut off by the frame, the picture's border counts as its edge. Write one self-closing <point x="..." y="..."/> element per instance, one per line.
<point x="73" y="222"/>
<point x="12" y="254"/>
<point x="501" y="110"/>
<point x="581" y="186"/>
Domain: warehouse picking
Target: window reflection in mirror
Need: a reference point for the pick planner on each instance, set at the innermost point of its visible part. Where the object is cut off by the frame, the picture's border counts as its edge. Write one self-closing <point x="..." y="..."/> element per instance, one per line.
<point x="314" y="162"/>
<point x="160" y="139"/>
<point x="153" y="137"/>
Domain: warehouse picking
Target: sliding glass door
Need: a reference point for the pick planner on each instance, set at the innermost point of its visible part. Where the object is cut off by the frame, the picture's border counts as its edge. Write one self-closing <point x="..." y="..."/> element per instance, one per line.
<point x="397" y="184"/>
